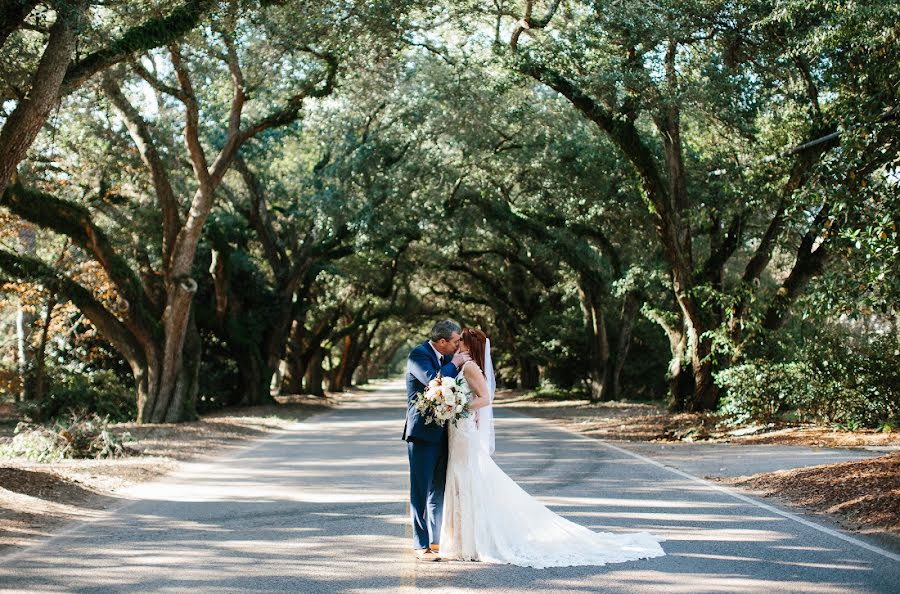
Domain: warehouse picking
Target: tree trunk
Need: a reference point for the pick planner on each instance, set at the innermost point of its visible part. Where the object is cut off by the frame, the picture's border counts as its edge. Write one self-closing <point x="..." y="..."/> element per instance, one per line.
<point x="355" y="362"/>
<point x="529" y="374"/>
<point x="706" y="393"/>
<point x="354" y="354"/>
<point x="182" y="395"/>
<point x="681" y="383"/>
<point x="315" y="373"/>
<point x="40" y="356"/>
<point x="26" y="120"/>
<point x="25" y="323"/>
<point x="361" y="374"/>
<point x="243" y="343"/>
<point x="280" y="337"/>
<point x="255" y="378"/>
<point x="255" y="373"/>
<point x="293" y="366"/>
<point x="599" y="372"/>
<point x="292" y="378"/>
<point x="338" y="379"/>
<point x="168" y="386"/>
<point x="601" y="381"/>
<point x="630" y="307"/>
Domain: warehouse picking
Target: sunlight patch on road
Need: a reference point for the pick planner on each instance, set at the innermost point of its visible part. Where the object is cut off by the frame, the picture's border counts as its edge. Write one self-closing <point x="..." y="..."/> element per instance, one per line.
<point x="652" y="503"/>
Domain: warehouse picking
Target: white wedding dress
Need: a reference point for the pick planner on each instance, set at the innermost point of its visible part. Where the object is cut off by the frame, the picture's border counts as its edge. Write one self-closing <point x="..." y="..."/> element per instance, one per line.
<point x="488" y="517"/>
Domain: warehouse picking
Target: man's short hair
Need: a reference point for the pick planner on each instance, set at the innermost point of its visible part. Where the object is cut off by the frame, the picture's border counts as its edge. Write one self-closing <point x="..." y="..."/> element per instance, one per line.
<point x="444" y="329"/>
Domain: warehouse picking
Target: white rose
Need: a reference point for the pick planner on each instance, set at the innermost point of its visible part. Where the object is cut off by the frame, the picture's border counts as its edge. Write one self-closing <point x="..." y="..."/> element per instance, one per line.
<point x="434" y="383"/>
<point x="448" y="382"/>
<point x="459" y="408"/>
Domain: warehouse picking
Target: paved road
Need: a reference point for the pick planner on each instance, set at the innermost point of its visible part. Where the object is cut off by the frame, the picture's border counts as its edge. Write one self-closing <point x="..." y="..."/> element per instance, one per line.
<point x="322" y="508"/>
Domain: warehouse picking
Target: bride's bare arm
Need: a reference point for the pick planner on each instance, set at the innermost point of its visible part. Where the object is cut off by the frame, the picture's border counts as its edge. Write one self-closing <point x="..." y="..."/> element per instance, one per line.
<point x="479" y="386"/>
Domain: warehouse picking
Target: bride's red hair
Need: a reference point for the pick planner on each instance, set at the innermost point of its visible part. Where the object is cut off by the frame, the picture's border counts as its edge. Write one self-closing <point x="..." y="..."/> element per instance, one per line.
<point x="475" y="340"/>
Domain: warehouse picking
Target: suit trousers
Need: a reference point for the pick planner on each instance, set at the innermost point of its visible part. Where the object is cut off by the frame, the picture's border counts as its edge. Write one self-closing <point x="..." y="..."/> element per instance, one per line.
<point x="427" y="474"/>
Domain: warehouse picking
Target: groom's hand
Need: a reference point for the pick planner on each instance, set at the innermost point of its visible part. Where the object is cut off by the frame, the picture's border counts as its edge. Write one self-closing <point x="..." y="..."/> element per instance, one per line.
<point x="460" y="359"/>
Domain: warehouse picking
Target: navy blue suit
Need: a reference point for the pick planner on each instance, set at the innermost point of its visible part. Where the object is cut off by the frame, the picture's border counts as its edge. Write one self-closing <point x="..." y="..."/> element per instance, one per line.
<point x="426" y="446"/>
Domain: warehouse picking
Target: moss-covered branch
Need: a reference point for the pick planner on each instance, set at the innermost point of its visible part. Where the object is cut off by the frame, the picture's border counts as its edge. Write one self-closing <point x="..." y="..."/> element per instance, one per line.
<point x="290" y="111"/>
<point x="74" y="221"/>
<point x="155" y="32"/>
<point x="24" y="268"/>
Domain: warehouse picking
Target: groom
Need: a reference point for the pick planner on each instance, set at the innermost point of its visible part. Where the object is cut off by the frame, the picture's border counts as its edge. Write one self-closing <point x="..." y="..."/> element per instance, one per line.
<point x="426" y="445"/>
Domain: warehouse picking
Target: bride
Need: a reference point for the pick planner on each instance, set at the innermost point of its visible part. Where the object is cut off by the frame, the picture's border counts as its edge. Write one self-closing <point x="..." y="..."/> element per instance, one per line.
<point x="488" y="517"/>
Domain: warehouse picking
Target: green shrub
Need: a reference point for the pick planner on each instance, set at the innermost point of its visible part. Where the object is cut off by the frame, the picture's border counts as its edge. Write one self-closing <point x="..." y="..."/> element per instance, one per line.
<point x="838" y="378"/>
<point x="855" y="380"/>
<point x="761" y="392"/>
<point x="101" y="392"/>
<point x="33" y="442"/>
<point x="79" y="436"/>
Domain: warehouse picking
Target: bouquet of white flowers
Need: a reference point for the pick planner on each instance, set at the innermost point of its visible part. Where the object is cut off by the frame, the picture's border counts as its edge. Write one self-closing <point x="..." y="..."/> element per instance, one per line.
<point x="443" y="400"/>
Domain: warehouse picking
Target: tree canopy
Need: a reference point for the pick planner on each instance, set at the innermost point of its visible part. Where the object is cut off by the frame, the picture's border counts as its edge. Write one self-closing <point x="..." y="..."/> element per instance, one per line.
<point x="209" y="203"/>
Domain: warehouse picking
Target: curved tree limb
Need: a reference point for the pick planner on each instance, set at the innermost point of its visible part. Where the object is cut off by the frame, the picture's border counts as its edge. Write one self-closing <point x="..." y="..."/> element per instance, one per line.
<point x="261" y="219"/>
<point x="152" y="80"/>
<point x="155" y="32"/>
<point x="112" y="329"/>
<point x="528" y="21"/>
<point x="74" y="221"/>
<point x="22" y="126"/>
<point x="800" y="173"/>
<point x="290" y="111"/>
<point x="809" y="262"/>
<point x="140" y="133"/>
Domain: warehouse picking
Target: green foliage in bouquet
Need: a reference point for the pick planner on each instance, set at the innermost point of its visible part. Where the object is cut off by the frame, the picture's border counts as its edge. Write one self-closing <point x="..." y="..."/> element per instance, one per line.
<point x="438" y="406"/>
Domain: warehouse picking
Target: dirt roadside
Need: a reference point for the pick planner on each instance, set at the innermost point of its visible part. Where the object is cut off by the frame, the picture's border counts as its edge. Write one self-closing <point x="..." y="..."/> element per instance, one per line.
<point x="37" y="499"/>
<point x="864" y="495"/>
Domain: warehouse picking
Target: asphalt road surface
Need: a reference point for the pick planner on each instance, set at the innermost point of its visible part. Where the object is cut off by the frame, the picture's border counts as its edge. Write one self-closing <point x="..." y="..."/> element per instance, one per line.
<point x="323" y="508"/>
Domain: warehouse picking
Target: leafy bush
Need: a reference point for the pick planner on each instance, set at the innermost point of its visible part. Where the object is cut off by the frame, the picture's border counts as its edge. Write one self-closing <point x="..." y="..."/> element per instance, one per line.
<point x="220" y="378"/>
<point x="101" y="392"/>
<point x="837" y="378"/>
<point x="761" y="392"/>
<point x="81" y="436"/>
<point x="33" y="442"/>
<point x="855" y="382"/>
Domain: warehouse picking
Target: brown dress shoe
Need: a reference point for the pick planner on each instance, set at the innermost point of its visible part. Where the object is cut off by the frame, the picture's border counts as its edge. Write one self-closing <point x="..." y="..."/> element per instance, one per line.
<point x="435" y="548"/>
<point x="426" y="555"/>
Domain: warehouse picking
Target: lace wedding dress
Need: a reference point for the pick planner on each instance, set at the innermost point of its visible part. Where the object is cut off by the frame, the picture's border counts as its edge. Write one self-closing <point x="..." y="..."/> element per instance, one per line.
<point x="488" y="517"/>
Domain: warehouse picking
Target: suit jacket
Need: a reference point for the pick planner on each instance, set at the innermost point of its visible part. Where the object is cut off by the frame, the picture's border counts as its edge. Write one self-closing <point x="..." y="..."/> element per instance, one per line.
<point x="422" y="366"/>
